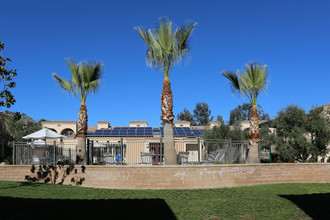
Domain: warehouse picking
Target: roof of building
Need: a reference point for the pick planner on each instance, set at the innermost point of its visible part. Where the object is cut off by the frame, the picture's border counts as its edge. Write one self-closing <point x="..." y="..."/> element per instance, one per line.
<point x="102" y="122"/>
<point x="325" y="105"/>
<point x="91" y="128"/>
<point x="59" y="122"/>
<point x="199" y="127"/>
<point x="144" y="132"/>
<point x="138" y="122"/>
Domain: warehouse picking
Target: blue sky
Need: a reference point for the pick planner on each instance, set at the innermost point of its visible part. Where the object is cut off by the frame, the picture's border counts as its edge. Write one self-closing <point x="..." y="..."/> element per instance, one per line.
<point x="291" y="37"/>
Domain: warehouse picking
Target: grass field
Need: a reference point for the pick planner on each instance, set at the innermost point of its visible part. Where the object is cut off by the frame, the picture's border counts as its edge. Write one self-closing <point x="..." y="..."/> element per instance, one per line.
<point x="23" y="200"/>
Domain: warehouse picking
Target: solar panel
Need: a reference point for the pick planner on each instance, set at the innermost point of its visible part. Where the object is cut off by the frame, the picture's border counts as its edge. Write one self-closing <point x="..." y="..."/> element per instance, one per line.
<point x="191" y="135"/>
<point x="197" y="132"/>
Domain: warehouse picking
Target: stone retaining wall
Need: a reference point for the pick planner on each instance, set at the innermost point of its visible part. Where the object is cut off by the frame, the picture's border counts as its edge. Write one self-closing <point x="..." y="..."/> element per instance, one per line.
<point x="180" y="177"/>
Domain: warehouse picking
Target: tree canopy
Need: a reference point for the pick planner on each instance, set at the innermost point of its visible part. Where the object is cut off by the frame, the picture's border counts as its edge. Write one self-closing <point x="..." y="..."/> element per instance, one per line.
<point x="202" y="114"/>
<point x="225" y="132"/>
<point x="18" y="125"/>
<point x="166" y="45"/>
<point x="6" y="81"/>
<point x="250" y="82"/>
<point x="186" y="116"/>
<point x="85" y="78"/>
<point x="242" y="112"/>
<point x="300" y="136"/>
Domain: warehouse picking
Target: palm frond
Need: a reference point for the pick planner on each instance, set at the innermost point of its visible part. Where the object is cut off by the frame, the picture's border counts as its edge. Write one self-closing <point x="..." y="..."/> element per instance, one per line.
<point x="66" y="85"/>
<point x="165" y="45"/>
<point x="251" y="82"/>
<point x="234" y="81"/>
<point x="85" y="78"/>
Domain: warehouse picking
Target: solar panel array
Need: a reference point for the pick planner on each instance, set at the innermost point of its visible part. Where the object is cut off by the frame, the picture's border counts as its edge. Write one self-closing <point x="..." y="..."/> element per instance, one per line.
<point x="145" y="132"/>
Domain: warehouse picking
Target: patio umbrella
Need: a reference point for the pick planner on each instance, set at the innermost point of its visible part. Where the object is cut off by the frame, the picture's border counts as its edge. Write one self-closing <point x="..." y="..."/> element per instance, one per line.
<point x="43" y="134"/>
<point x="97" y="144"/>
<point x="39" y="142"/>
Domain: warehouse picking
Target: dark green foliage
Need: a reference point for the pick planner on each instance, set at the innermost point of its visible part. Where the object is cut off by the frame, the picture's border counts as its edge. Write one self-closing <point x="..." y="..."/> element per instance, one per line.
<point x="220" y="119"/>
<point x="6" y="81"/>
<point x="299" y="136"/>
<point x="225" y="132"/>
<point x="202" y="114"/>
<point x="186" y="116"/>
<point x="242" y="112"/>
<point x="17" y="126"/>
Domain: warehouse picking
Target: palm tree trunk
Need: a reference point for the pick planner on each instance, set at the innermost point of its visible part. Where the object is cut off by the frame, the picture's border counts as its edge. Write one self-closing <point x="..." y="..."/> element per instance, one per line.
<point x="254" y="124"/>
<point x="167" y="118"/>
<point x="253" y="156"/>
<point x="81" y="133"/>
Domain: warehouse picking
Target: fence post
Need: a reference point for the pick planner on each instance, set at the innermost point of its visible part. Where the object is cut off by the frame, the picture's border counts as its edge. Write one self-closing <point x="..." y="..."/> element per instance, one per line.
<point x="14" y="152"/>
<point x="259" y="152"/>
<point x="199" y="150"/>
<point x="230" y="151"/>
<point x="88" y="153"/>
<point x="92" y="152"/>
<point x="270" y="153"/>
<point x="121" y="151"/>
<point x="161" y="151"/>
<point x="54" y="153"/>
<point x="70" y="155"/>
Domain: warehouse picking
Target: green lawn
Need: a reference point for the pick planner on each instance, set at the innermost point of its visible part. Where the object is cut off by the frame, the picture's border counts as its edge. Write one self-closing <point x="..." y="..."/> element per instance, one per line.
<point x="22" y="200"/>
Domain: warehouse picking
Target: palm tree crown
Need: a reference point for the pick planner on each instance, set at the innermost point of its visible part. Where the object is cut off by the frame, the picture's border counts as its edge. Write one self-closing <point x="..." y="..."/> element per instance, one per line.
<point x="85" y="78"/>
<point x="250" y="83"/>
<point x="166" y="47"/>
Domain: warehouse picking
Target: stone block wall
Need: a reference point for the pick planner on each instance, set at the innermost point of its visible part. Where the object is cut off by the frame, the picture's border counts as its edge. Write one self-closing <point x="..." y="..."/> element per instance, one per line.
<point x="182" y="177"/>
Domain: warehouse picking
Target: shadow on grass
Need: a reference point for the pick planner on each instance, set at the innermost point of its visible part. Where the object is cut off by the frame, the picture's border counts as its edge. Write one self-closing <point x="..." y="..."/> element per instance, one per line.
<point x="21" y="208"/>
<point x="22" y="184"/>
<point x="314" y="205"/>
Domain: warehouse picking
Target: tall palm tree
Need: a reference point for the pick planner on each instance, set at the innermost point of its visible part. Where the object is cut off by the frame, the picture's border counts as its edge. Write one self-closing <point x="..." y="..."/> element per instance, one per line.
<point x="250" y="83"/>
<point x="166" y="47"/>
<point x="85" y="80"/>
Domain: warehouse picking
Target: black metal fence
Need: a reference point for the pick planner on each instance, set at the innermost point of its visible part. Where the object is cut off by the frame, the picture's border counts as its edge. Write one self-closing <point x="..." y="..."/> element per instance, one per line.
<point x="29" y="154"/>
<point x="134" y="152"/>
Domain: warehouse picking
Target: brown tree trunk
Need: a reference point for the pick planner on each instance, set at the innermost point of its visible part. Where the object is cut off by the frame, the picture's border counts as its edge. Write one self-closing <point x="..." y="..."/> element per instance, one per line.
<point x="81" y="134"/>
<point x="167" y="118"/>
<point x="254" y="125"/>
<point x="253" y="156"/>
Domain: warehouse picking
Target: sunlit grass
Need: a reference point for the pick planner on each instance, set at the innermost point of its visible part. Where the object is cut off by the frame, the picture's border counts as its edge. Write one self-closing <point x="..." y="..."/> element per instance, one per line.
<point x="23" y="200"/>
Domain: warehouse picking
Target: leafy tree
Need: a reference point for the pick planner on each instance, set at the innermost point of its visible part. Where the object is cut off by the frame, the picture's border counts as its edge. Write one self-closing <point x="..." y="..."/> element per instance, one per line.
<point x="85" y="80"/>
<point x="186" y="116"/>
<point x="202" y="114"/>
<point x="242" y="112"/>
<point x="16" y="126"/>
<point x="300" y="136"/>
<point x="166" y="47"/>
<point x="220" y="119"/>
<point x="225" y="132"/>
<point x="6" y="81"/>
